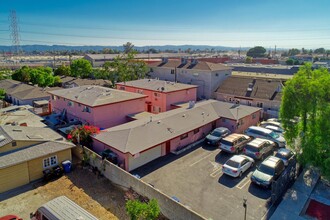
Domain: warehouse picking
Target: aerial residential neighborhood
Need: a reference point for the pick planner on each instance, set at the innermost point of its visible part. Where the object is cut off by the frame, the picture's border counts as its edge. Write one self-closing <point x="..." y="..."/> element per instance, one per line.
<point x="164" y="110"/>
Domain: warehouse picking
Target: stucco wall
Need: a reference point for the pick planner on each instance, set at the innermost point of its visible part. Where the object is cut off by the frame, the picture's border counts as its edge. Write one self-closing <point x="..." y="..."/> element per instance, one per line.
<point x="178" y="142"/>
<point x="207" y="81"/>
<point x="267" y="104"/>
<point x="19" y="144"/>
<point x="164" y="100"/>
<point x="36" y="166"/>
<point x="170" y="208"/>
<point x="244" y="123"/>
<point x="103" y="116"/>
<point x="14" y="176"/>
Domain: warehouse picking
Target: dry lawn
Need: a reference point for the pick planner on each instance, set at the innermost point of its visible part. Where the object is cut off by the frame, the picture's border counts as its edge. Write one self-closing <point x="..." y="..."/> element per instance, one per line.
<point x="95" y="194"/>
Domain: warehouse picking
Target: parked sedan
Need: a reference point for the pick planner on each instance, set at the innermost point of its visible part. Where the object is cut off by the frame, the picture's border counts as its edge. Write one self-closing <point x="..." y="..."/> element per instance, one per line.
<point x="272" y="123"/>
<point x="277" y="130"/>
<point x="237" y="165"/>
<point x="216" y="135"/>
<point x="286" y="155"/>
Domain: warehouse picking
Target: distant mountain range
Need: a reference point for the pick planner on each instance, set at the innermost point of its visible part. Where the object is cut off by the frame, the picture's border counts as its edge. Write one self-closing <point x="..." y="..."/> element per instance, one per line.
<point x="44" y="48"/>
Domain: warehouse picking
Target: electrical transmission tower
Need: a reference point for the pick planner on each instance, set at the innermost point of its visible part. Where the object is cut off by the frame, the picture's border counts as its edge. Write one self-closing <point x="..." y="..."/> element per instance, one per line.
<point x="14" y="33"/>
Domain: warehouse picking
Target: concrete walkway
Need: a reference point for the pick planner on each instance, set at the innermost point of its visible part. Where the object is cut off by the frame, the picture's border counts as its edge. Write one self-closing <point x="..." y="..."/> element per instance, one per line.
<point x="296" y="199"/>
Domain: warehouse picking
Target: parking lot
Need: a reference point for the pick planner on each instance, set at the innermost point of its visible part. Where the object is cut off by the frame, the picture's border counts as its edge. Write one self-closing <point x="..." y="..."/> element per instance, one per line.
<point x="196" y="179"/>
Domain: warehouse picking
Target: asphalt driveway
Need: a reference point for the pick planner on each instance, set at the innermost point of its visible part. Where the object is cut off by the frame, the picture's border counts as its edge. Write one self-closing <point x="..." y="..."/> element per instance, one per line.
<point x="196" y="179"/>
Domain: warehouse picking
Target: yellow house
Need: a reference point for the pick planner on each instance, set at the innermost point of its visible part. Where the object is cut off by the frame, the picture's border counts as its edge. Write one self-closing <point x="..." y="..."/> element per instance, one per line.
<point x="26" y="165"/>
<point x="15" y="137"/>
<point x="24" y="161"/>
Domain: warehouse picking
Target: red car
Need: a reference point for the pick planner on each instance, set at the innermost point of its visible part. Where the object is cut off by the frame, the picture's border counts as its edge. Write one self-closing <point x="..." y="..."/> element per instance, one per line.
<point x="10" y="217"/>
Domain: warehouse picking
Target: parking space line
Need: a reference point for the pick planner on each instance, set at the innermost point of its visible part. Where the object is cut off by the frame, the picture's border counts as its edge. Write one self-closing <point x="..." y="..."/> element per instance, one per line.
<point x="245" y="181"/>
<point x="216" y="172"/>
<point x="203" y="158"/>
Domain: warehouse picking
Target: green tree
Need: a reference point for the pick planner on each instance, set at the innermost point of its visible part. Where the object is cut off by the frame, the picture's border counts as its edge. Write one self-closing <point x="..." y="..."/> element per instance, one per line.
<point x="81" y="68"/>
<point x="296" y="62"/>
<point x="128" y="47"/>
<point x="304" y="51"/>
<point x="319" y="51"/>
<point x="327" y="52"/>
<point x="63" y="70"/>
<point x="289" y="61"/>
<point x="248" y="60"/>
<point x="256" y="52"/>
<point x="125" y="68"/>
<point x="306" y="98"/>
<point x="140" y="210"/>
<point x="41" y="76"/>
<point x="5" y="74"/>
<point x="293" y="52"/>
<point x="22" y="74"/>
<point x="2" y="94"/>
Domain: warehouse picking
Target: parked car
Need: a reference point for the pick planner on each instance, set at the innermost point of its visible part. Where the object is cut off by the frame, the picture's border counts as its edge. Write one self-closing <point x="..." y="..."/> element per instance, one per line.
<point x="260" y="132"/>
<point x="10" y="217"/>
<point x="273" y="123"/>
<point x="237" y="165"/>
<point x="233" y="143"/>
<point x="275" y="129"/>
<point x="286" y="155"/>
<point x="268" y="171"/>
<point x="259" y="148"/>
<point x="216" y="135"/>
<point x="274" y="120"/>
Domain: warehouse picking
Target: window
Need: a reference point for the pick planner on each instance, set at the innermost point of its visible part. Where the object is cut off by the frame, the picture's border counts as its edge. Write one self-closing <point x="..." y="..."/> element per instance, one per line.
<point x="196" y="130"/>
<point x="172" y="72"/>
<point x="59" y="98"/>
<point x="79" y="104"/>
<point x="14" y="144"/>
<point x="184" y="136"/>
<point x="217" y="74"/>
<point x="156" y="94"/>
<point x="70" y="103"/>
<point x="64" y="99"/>
<point x="254" y="115"/>
<point x="230" y="99"/>
<point x="122" y="88"/>
<point x="156" y="109"/>
<point x="259" y="104"/>
<point x="139" y="91"/>
<point x="50" y="161"/>
<point x="87" y="109"/>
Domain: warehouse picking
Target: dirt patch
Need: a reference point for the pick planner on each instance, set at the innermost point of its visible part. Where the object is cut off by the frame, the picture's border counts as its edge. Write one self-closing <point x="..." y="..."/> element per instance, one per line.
<point x="95" y="194"/>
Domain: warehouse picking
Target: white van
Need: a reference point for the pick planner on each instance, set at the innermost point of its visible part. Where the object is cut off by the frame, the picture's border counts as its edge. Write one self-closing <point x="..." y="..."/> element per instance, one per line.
<point x="260" y="132"/>
<point x="61" y="208"/>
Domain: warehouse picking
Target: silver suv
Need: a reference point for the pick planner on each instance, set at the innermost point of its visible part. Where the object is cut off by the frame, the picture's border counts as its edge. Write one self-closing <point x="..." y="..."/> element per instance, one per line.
<point x="259" y="148"/>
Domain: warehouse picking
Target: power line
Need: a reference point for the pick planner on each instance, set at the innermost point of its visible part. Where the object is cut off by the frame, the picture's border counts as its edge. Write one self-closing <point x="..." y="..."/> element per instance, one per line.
<point x="14" y="32"/>
<point x="165" y="29"/>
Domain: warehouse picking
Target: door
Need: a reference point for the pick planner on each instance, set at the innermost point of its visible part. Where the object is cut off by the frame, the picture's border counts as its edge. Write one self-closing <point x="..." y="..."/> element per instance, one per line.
<point x="168" y="147"/>
<point x="149" y="108"/>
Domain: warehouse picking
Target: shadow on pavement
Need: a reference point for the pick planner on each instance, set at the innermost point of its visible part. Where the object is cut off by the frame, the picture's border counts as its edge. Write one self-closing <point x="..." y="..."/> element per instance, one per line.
<point x="209" y="147"/>
<point x="222" y="157"/>
<point x="259" y="192"/>
<point x="160" y="162"/>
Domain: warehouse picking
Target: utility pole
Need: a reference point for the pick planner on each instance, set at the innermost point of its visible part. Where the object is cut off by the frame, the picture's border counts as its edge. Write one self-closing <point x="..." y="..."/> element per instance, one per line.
<point x="245" y="207"/>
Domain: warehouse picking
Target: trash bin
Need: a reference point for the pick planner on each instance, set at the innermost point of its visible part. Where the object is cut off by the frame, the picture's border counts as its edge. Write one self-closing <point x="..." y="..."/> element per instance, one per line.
<point x="66" y="166"/>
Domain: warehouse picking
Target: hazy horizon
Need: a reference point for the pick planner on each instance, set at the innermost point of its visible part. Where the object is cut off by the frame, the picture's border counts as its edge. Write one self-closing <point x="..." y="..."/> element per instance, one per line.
<point x="286" y="24"/>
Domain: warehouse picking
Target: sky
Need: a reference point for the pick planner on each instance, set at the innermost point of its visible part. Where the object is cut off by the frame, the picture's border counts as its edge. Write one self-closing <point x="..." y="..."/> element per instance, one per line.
<point x="284" y="23"/>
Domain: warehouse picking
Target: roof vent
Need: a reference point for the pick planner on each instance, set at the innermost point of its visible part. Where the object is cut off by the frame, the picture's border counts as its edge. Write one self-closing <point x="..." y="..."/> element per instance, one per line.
<point x="191" y="104"/>
<point x="17" y="130"/>
<point x="2" y="138"/>
<point x="164" y="60"/>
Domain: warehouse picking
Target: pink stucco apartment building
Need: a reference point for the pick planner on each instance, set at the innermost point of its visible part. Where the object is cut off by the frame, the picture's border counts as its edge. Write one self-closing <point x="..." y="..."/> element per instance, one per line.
<point x="161" y="95"/>
<point x="141" y="141"/>
<point x="95" y="105"/>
